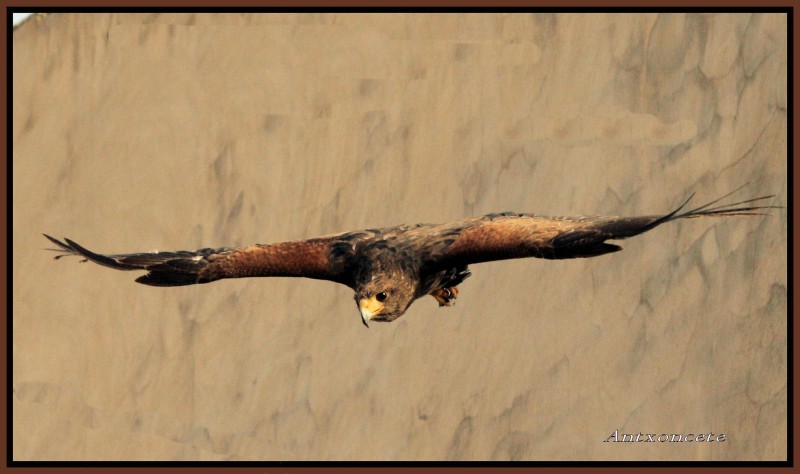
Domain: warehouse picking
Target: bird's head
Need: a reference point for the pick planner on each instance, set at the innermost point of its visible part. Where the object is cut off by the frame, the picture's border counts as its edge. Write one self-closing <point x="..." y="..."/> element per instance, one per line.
<point x="384" y="297"/>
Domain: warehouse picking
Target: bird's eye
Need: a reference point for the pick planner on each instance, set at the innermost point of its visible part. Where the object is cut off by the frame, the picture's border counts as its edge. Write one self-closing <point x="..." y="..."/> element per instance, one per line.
<point x="381" y="296"/>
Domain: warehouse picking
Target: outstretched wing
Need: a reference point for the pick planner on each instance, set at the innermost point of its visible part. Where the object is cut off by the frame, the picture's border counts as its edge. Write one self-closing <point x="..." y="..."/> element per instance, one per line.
<point x="308" y="258"/>
<point x="511" y="235"/>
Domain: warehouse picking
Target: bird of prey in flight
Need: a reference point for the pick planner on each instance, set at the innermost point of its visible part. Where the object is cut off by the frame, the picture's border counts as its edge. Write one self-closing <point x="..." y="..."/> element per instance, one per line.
<point x="389" y="268"/>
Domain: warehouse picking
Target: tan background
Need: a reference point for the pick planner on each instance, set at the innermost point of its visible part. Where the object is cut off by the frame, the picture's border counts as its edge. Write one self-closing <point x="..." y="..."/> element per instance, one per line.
<point x="144" y="132"/>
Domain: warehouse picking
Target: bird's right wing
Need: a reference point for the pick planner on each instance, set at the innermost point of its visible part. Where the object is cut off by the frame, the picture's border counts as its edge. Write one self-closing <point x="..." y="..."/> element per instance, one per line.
<point x="314" y="258"/>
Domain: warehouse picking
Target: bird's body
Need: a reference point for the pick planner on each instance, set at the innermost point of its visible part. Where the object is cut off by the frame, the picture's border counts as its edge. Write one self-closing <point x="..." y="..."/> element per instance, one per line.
<point x="390" y="268"/>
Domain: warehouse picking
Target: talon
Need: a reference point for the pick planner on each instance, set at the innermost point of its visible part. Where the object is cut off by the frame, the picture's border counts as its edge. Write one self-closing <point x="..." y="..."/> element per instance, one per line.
<point x="445" y="296"/>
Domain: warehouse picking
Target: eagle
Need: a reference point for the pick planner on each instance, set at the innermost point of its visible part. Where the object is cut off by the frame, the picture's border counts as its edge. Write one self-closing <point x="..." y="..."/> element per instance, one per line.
<point x="390" y="268"/>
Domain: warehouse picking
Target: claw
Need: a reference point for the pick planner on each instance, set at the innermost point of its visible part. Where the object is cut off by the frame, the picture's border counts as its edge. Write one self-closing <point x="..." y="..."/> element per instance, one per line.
<point x="445" y="296"/>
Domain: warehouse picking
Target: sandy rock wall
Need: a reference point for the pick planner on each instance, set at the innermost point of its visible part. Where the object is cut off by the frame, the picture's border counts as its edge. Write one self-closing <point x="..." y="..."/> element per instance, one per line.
<point x="172" y="131"/>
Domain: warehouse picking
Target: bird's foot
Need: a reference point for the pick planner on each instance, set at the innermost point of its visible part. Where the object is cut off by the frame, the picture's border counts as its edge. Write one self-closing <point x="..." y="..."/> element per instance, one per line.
<point x="445" y="296"/>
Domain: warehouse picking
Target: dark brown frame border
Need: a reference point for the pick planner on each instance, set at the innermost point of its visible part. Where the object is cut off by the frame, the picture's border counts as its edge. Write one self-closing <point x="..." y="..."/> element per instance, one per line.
<point x="376" y="5"/>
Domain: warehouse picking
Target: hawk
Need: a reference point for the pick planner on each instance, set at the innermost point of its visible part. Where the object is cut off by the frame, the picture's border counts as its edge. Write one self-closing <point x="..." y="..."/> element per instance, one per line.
<point x="389" y="268"/>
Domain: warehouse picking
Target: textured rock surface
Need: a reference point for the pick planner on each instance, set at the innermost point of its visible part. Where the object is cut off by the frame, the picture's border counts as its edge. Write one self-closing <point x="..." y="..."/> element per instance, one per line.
<point x="143" y="132"/>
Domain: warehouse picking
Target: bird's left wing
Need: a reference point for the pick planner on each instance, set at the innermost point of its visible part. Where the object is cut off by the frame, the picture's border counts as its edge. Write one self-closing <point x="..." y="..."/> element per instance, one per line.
<point x="511" y="235"/>
<point x="313" y="258"/>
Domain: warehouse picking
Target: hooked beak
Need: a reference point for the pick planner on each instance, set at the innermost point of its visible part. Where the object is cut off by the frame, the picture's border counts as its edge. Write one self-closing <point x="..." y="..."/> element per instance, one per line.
<point x="369" y="308"/>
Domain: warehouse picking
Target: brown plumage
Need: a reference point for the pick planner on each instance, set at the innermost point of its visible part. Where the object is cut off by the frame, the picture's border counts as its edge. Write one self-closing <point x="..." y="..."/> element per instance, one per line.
<point x="389" y="268"/>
